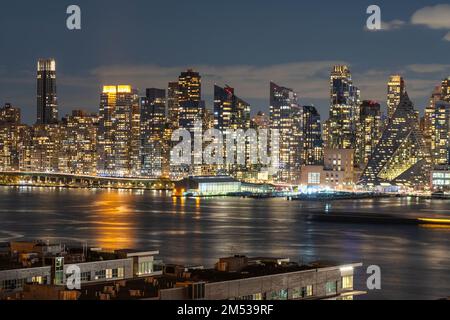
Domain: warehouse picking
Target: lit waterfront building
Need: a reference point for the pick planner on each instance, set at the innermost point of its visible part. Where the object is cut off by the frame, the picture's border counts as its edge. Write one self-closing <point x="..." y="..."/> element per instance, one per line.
<point x="343" y="119"/>
<point x="79" y="146"/>
<point x="47" y="103"/>
<point x="312" y="144"/>
<point x="440" y="137"/>
<point x="401" y="157"/>
<point x="119" y="132"/>
<point x="155" y="149"/>
<point x="396" y="88"/>
<point x="283" y="108"/>
<point x="369" y="130"/>
<point x="337" y="171"/>
<point x="46" y="148"/>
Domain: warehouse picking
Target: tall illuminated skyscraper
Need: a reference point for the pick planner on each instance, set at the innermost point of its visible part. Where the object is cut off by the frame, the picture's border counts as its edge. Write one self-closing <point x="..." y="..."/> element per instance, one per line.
<point x="428" y="118"/>
<point x="284" y="111"/>
<point x="440" y="137"/>
<point x="396" y="87"/>
<point x="445" y="90"/>
<point x="119" y="132"/>
<point x="153" y="124"/>
<point x="173" y="106"/>
<point x="79" y="145"/>
<point x="369" y="130"/>
<point x="345" y="100"/>
<point x="311" y="144"/>
<point x="189" y="98"/>
<point x="231" y="113"/>
<point x="47" y="102"/>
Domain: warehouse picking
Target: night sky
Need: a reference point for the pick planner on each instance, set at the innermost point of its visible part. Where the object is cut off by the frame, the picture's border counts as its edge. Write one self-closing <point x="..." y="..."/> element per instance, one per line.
<point x="244" y="44"/>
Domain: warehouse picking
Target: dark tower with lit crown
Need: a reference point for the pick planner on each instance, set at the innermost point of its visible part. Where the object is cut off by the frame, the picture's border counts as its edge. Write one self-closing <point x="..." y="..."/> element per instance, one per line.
<point x="47" y="102"/>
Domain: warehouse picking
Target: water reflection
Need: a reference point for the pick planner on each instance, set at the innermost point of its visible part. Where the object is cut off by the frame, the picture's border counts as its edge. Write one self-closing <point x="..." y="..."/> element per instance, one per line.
<point x="115" y="221"/>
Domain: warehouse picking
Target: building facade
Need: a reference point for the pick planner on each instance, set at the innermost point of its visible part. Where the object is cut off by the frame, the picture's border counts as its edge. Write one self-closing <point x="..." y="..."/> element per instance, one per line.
<point x="119" y="135"/>
<point x="285" y="118"/>
<point x="47" y="102"/>
<point x="369" y="131"/>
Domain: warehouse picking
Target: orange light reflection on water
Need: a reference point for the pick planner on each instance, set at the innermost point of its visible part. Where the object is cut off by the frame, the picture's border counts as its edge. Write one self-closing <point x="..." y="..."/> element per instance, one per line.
<point x="115" y="228"/>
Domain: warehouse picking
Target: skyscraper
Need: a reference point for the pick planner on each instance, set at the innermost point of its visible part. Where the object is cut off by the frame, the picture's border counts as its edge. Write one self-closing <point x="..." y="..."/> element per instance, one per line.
<point x="153" y="123"/>
<point x="369" y="130"/>
<point x="189" y="98"/>
<point x="428" y="118"/>
<point x="445" y="90"/>
<point x="401" y="157"/>
<point x="440" y="137"/>
<point x="47" y="103"/>
<point x="119" y="132"/>
<point x="79" y="145"/>
<point x="283" y="110"/>
<point x="345" y="100"/>
<point x="173" y="105"/>
<point x="14" y="138"/>
<point x="230" y="114"/>
<point x="396" y="87"/>
<point x="191" y="108"/>
<point x="312" y="144"/>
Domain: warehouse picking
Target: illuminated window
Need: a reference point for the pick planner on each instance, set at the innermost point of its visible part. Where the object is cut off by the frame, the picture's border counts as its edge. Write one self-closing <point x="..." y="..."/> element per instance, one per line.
<point x="331" y="287"/>
<point x="347" y="282"/>
<point x="313" y="178"/>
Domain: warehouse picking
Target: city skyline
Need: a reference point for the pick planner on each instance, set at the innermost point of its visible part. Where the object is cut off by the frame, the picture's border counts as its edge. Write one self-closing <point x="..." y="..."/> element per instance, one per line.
<point x="138" y="136"/>
<point x="422" y="62"/>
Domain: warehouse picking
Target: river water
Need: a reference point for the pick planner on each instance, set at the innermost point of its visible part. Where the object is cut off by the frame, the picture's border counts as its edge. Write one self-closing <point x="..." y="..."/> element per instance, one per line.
<point x="414" y="260"/>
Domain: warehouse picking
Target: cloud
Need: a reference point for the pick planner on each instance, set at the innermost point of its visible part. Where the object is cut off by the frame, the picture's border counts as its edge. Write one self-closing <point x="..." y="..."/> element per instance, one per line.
<point x="388" y="26"/>
<point x="434" y="17"/>
<point x="447" y="37"/>
<point x="429" y="68"/>
<point x="392" y="25"/>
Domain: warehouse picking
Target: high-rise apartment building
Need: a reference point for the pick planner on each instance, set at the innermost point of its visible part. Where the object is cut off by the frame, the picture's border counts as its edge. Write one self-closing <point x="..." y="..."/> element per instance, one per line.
<point x="285" y="117"/>
<point x="311" y="143"/>
<point x="445" y="90"/>
<point x="396" y="88"/>
<point x="231" y="113"/>
<point x="440" y="137"/>
<point x="119" y="137"/>
<point x="369" y="130"/>
<point x="154" y="147"/>
<point x="14" y="138"/>
<point x="47" y="102"/>
<point x="79" y="146"/>
<point x="345" y="100"/>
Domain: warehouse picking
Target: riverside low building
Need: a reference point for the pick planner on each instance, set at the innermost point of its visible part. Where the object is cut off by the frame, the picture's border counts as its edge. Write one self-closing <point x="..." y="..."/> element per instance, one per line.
<point x="203" y="186"/>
